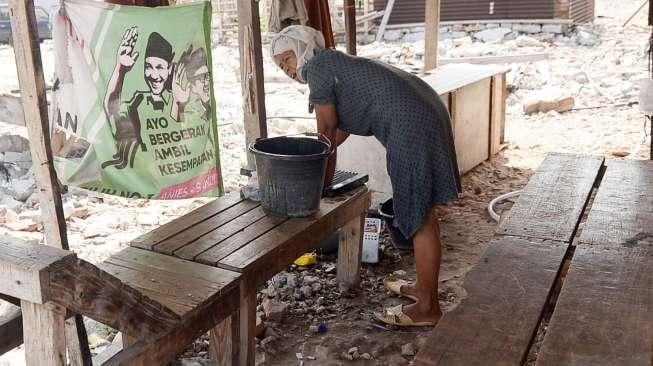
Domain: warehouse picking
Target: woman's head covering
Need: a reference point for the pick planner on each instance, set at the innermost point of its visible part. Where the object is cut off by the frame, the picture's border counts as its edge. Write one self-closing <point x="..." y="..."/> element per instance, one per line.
<point x="302" y="40"/>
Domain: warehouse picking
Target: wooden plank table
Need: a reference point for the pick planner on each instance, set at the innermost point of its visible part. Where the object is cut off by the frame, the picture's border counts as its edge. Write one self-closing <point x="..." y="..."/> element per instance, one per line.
<point x="604" y="314"/>
<point x="237" y="235"/>
<point x="510" y="286"/>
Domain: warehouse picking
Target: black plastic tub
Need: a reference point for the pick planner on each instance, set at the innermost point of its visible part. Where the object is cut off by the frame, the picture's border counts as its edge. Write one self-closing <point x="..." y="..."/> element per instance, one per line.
<point x="290" y="174"/>
<point x="399" y="241"/>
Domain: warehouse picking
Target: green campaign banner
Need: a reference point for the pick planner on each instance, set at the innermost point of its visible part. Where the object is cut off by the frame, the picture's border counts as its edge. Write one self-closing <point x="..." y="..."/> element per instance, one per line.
<point x="133" y="108"/>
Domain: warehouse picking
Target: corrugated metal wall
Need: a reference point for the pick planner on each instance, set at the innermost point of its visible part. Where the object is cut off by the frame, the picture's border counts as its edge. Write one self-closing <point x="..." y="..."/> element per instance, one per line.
<point x="582" y="11"/>
<point x="412" y="11"/>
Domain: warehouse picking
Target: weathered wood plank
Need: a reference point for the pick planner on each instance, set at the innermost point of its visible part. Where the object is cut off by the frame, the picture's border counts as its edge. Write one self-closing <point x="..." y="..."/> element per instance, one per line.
<point x="43" y="327"/>
<point x="603" y="315"/>
<point x="213" y="208"/>
<point x="25" y="268"/>
<point x="267" y="255"/>
<point x="506" y="294"/>
<point x="11" y="327"/>
<point x="188" y="235"/>
<point x="221" y="233"/>
<point x="350" y="250"/>
<point x="471" y="140"/>
<point x="252" y="232"/>
<point x="247" y="328"/>
<point x="223" y="342"/>
<point x="218" y="278"/>
<point x="551" y="204"/>
<point x="164" y="349"/>
<point x="497" y="113"/>
<point x="85" y="289"/>
<point x="350" y="25"/>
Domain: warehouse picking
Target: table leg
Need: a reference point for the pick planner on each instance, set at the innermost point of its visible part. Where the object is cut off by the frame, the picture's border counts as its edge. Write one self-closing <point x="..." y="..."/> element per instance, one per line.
<point x="126" y="342"/>
<point x="247" y="330"/>
<point x="350" y="251"/>
<point x="43" y="334"/>
<point x="223" y="344"/>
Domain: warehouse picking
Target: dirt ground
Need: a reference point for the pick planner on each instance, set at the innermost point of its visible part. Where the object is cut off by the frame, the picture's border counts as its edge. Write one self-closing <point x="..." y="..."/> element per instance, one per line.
<point x="466" y="227"/>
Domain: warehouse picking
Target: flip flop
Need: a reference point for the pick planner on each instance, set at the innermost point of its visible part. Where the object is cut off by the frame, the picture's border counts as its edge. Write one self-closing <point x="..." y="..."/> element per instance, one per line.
<point x="394" y="286"/>
<point x="395" y="316"/>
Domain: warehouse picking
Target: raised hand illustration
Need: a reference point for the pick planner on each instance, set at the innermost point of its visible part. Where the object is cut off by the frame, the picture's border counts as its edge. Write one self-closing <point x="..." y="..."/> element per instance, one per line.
<point x="127" y="56"/>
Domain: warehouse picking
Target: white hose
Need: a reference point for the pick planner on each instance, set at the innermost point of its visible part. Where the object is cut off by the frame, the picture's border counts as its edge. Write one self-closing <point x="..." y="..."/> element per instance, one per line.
<point x="503" y="197"/>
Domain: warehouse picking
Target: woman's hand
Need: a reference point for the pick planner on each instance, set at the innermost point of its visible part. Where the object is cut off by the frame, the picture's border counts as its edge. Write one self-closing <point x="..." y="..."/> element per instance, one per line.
<point x="327" y="124"/>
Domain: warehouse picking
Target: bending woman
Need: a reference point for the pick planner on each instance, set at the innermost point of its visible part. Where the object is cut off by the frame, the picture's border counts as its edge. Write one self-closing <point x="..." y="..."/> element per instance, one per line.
<point x="353" y="95"/>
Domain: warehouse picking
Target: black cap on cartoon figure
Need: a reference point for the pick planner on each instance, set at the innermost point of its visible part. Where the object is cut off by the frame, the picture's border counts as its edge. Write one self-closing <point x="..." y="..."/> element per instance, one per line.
<point x="157" y="46"/>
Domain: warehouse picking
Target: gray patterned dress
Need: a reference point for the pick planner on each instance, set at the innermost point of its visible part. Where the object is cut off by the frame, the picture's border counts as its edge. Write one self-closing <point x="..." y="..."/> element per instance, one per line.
<point x="405" y="114"/>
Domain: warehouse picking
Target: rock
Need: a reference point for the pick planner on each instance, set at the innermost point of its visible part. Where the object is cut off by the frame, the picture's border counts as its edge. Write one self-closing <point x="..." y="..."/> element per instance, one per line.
<point x="392" y="35"/>
<point x="526" y="41"/>
<point x="546" y="101"/>
<point x="15" y="143"/>
<point x="316" y="287"/>
<point x="291" y="280"/>
<point x="399" y="273"/>
<point x="260" y="326"/>
<point x="457" y="35"/>
<point x="274" y="310"/>
<point x="21" y="189"/>
<point x="366" y="356"/>
<point x="22" y="225"/>
<point x="147" y="220"/>
<point x="586" y="38"/>
<point x="309" y="280"/>
<point x="554" y="28"/>
<point x="492" y="35"/>
<point x="306" y="291"/>
<point x="269" y="332"/>
<point x="266" y="344"/>
<point x="11" y="203"/>
<point x="527" y="28"/>
<point x="414" y="37"/>
<point x="408" y="350"/>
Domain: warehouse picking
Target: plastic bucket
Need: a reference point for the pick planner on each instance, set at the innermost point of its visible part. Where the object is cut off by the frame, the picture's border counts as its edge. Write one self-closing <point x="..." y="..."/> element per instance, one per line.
<point x="399" y="241"/>
<point x="290" y="173"/>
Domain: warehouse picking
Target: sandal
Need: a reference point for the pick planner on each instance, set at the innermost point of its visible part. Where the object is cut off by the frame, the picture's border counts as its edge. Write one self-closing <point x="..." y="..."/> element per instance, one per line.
<point x="394" y="286"/>
<point x="395" y="316"/>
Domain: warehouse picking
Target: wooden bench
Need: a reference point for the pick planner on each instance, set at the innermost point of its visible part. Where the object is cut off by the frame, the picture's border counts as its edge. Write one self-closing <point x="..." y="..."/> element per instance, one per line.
<point x="510" y="286"/>
<point x="604" y="314"/>
<point x="237" y="235"/>
<point x="159" y="303"/>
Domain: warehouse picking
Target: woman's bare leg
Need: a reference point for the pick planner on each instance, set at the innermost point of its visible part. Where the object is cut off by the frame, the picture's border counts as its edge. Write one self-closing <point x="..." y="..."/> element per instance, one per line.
<point x="426" y="243"/>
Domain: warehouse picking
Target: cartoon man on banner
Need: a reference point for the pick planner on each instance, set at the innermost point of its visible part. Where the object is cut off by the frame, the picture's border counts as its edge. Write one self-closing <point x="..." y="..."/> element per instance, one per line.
<point x="153" y="105"/>
<point x="195" y="98"/>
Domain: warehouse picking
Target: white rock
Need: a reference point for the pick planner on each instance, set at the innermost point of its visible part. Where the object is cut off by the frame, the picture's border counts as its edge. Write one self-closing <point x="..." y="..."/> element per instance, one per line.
<point x="586" y="38"/>
<point x="408" y="349"/>
<point x="147" y="220"/>
<point x="392" y="35"/>
<point x="492" y="34"/>
<point x="526" y="41"/>
<point x="11" y="142"/>
<point x="11" y="203"/>
<point x="274" y="310"/>
<point x="456" y="35"/>
<point x="554" y="28"/>
<point x="527" y="28"/>
<point x="413" y="37"/>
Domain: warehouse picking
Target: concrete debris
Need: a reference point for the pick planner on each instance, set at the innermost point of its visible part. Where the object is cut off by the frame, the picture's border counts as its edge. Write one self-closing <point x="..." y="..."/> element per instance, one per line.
<point x="15" y="143"/>
<point x="408" y="350"/>
<point x="527" y="28"/>
<point x="548" y="100"/>
<point x="492" y="35"/>
<point x="274" y="310"/>
<point x="392" y="35"/>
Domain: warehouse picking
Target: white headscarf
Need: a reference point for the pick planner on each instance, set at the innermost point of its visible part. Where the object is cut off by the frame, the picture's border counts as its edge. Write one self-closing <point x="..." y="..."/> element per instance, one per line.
<point x="302" y="40"/>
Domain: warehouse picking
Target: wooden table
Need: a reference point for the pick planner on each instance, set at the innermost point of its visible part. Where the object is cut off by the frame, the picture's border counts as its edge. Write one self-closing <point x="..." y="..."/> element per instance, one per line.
<point x="237" y="235"/>
<point x="598" y="281"/>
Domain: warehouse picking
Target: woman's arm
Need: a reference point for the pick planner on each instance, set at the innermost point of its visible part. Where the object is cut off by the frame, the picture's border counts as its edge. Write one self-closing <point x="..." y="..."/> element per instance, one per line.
<point x="327" y="124"/>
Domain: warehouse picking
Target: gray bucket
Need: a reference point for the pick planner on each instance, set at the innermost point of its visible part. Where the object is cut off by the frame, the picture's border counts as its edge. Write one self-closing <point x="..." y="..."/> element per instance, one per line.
<point x="290" y="174"/>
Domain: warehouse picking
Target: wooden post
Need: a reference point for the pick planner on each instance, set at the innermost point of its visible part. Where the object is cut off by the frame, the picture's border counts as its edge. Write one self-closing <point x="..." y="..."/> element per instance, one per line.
<point x="251" y="72"/>
<point x="247" y="320"/>
<point x="350" y="251"/>
<point x="432" y="28"/>
<point x="223" y="342"/>
<point x="43" y="330"/>
<point x="35" y="109"/>
<point x="366" y="25"/>
<point x="350" y="25"/>
<point x="384" y="21"/>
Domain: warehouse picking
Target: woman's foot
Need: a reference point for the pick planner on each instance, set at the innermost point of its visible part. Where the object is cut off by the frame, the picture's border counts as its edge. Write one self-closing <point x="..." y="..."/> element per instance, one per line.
<point x="421" y="312"/>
